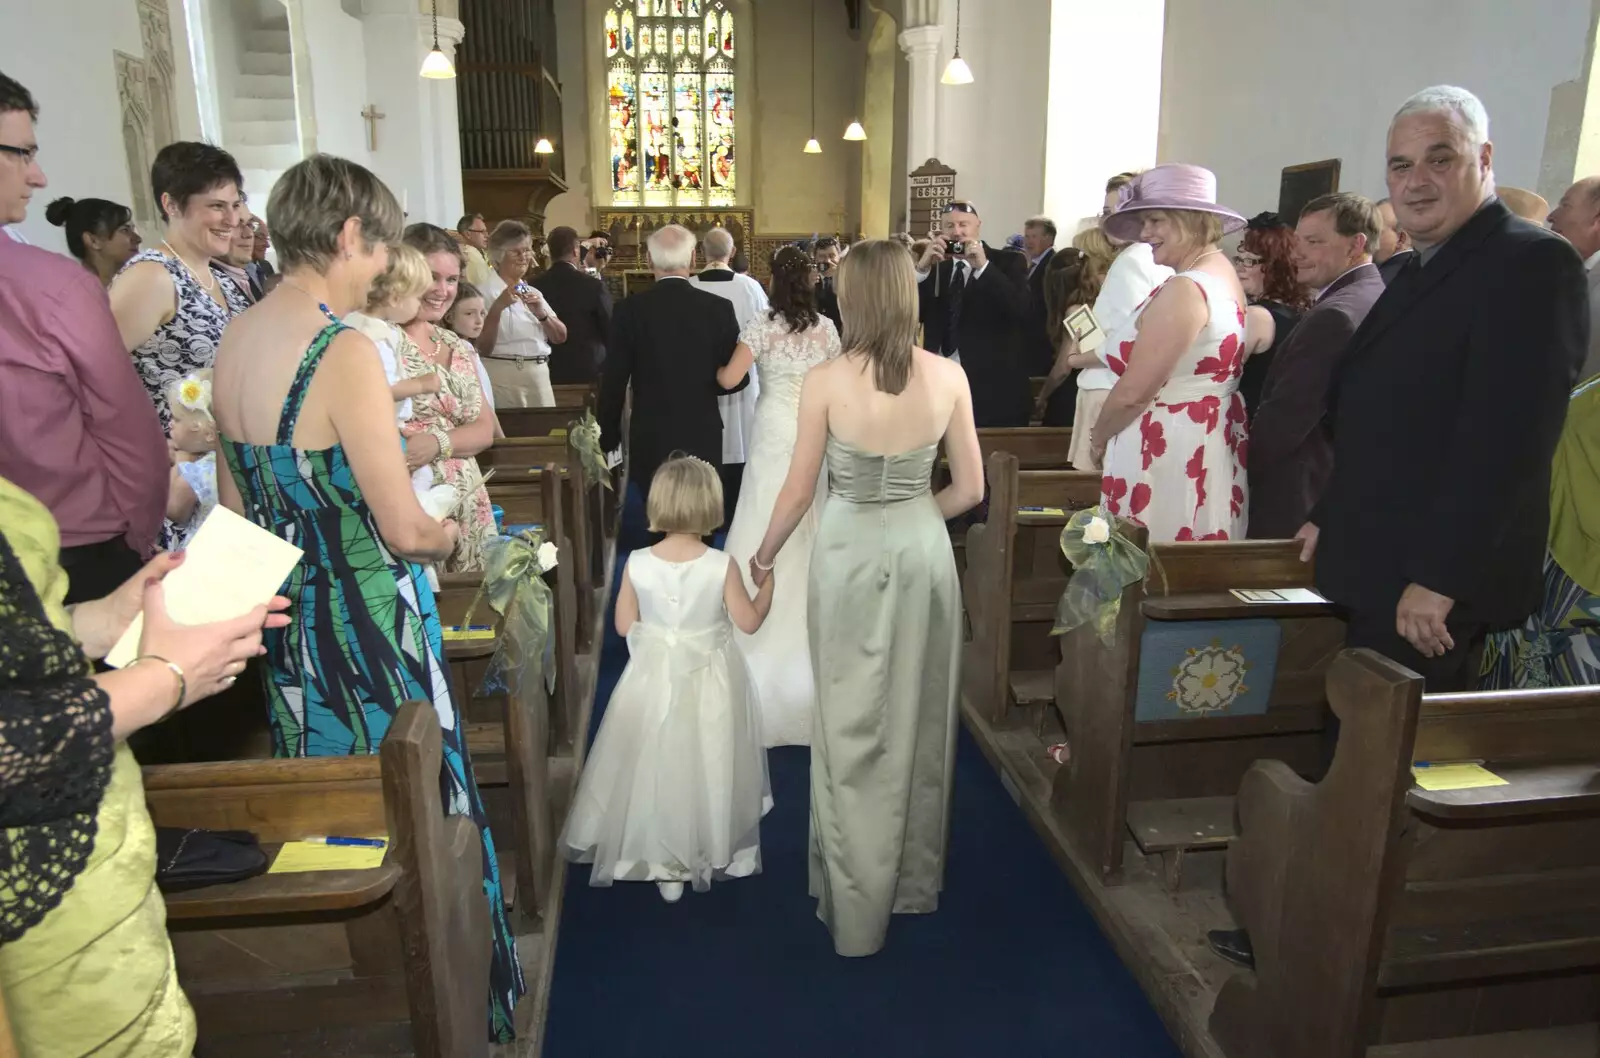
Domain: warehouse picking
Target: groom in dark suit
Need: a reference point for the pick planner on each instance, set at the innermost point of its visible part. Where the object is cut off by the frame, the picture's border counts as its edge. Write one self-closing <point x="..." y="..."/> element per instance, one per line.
<point x="1446" y="408"/>
<point x="668" y="341"/>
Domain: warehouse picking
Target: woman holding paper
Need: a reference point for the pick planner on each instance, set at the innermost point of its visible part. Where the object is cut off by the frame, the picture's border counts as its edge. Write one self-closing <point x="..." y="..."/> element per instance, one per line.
<point x="85" y="963"/>
<point x="307" y="427"/>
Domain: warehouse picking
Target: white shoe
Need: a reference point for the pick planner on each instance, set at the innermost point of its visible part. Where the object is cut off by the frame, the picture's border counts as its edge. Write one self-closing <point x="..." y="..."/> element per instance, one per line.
<point x="671" y="892"/>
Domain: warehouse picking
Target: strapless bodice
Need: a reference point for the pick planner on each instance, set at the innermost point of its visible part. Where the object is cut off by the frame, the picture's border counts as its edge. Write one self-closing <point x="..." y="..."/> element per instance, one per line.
<point x="865" y="477"/>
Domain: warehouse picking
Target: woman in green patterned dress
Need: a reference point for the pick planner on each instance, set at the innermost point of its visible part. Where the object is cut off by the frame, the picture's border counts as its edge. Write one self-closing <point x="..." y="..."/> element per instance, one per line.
<point x="308" y="434"/>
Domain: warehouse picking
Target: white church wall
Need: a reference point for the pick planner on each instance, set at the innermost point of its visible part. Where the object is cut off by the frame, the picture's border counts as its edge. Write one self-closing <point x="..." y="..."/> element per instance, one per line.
<point x="339" y="81"/>
<point x="62" y="52"/>
<point x="1104" y="102"/>
<point x="574" y="207"/>
<point x="1251" y="86"/>
<point x="992" y="132"/>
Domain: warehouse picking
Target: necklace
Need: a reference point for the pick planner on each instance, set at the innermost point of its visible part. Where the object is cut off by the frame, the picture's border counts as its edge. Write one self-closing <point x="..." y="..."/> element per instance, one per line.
<point x="207" y="282"/>
<point x="320" y="304"/>
<point x="1198" y="259"/>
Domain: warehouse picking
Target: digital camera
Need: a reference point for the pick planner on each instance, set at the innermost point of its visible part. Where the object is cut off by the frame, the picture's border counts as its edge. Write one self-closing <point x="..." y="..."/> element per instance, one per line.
<point x="958" y="249"/>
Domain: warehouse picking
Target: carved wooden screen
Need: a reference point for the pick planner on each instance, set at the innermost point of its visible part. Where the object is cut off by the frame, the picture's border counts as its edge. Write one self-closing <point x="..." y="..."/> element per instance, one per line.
<point x="508" y="91"/>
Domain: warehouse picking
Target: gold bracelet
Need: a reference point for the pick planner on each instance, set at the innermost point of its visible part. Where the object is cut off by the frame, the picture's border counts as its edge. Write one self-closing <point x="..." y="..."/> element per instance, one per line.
<point x="183" y="683"/>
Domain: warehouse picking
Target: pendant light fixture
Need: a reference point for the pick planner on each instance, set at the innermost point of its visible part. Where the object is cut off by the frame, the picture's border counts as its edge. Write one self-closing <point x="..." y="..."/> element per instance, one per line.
<point x="437" y="65"/>
<point x="958" y="72"/>
<point x="812" y="145"/>
<point x="855" y="131"/>
<point x="544" y="146"/>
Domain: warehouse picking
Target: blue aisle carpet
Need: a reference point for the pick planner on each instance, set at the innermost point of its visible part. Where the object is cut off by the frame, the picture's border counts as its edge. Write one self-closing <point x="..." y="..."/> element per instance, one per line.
<point x="1011" y="963"/>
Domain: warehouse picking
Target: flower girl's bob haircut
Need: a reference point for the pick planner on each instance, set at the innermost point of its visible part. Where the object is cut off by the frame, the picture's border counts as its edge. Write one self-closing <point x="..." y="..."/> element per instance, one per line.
<point x="685" y="497"/>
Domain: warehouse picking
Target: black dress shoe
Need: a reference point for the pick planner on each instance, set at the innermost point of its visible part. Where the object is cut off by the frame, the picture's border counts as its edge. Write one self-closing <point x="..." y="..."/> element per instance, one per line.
<point x="1233" y="945"/>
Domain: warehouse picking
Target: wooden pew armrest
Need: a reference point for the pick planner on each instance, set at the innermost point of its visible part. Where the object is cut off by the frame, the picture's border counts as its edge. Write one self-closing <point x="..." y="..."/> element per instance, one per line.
<point x="1223" y="606"/>
<point x="1542" y="789"/>
<point x="283" y="894"/>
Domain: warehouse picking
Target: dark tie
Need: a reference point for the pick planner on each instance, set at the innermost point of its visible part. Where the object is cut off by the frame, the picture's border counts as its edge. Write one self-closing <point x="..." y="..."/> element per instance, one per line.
<point x="952" y="307"/>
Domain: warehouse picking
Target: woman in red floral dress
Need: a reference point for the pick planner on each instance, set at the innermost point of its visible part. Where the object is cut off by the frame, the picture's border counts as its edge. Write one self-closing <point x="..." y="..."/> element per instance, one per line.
<point x="1172" y="434"/>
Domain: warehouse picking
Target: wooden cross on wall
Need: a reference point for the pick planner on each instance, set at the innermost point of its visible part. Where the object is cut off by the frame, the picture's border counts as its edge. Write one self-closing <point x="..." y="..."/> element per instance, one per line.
<point x="373" y="116"/>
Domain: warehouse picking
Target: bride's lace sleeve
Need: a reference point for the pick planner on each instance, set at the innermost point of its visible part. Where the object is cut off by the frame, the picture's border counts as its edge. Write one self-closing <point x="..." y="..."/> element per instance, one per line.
<point x="755" y="336"/>
<point x="829" y="338"/>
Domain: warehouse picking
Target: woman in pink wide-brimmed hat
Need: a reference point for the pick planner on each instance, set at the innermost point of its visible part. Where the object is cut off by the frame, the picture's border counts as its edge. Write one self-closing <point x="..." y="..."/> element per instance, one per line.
<point x="1171" y="435"/>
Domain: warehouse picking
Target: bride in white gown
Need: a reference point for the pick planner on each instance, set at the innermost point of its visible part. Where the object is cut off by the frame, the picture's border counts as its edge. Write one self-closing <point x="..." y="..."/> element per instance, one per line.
<point x="784" y="343"/>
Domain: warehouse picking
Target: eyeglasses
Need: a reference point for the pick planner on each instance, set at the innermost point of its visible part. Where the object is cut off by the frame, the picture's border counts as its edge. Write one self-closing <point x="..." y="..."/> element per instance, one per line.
<point x="27" y="154"/>
<point x="1246" y="260"/>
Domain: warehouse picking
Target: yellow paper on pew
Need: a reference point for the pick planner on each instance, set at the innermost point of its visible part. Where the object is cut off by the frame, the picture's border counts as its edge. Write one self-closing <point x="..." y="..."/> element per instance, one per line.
<point x="558" y="433"/>
<point x="296" y="857"/>
<point x="1057" y="511"/>
<point x="1455" y="777"/>
<point x="454" y="634"/>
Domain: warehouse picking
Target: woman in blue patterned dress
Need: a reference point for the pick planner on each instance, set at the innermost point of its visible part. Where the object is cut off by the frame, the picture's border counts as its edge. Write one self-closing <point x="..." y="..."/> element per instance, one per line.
<point x="308" y="434"/>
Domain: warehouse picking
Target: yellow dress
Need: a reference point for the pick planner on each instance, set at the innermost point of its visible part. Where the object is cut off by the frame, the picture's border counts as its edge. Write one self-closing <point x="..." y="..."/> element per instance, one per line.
<point x="95" y="976"/>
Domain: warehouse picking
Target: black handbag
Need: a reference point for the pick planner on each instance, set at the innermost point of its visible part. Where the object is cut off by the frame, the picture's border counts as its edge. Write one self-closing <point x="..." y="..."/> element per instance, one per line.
<point x="193" y="859"/>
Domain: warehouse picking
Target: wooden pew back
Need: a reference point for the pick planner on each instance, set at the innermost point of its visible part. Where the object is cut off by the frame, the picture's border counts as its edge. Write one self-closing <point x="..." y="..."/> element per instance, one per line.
<point x="514" y="459"/>
<point x="1143" y="722"/>
<point x="1014" y="574"/>
<point x="538" y="422"/>
<point x="1384" y="913"/>
<point x="400" y="951"/>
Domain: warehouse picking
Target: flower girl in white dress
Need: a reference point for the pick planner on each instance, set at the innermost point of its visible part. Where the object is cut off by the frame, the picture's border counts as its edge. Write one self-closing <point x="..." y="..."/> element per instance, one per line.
<point x="676" y="783"/>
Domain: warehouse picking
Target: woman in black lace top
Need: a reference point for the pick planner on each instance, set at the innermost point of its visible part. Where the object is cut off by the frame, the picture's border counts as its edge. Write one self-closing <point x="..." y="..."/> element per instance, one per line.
<point x="85" y="964"/>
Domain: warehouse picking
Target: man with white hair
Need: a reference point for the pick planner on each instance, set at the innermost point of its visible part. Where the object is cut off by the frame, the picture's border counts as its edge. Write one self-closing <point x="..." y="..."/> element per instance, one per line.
<point x="668" y="342"/>
<point x="738" y="409"/>
<point x="1446" y="407"/>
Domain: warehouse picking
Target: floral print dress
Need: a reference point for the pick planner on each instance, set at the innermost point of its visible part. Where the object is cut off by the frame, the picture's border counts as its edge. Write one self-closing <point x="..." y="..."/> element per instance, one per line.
<point x="459" y="402"/>
<point x="1179" y="469"/>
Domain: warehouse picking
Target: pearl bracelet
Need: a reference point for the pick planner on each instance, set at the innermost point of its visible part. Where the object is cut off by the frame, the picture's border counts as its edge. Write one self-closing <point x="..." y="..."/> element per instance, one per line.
<point x="763" y="568"/>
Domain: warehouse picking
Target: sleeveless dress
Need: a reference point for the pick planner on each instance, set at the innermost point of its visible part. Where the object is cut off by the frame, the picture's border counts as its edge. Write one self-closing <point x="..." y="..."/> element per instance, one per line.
<point x="676" y="783"/>
<point x="885" y="626"/>
<point x="778" y="654"/>
<point x="365" y="637"/>
<point x="187" y="342"/>
<point x="1179" y="469"/>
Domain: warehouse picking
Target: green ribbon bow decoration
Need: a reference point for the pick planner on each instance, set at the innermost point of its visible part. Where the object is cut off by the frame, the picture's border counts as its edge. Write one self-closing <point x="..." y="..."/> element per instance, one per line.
<point x="513" y="582"/>
<point x="584" y="434"/>
<point x="1104" y="562"/>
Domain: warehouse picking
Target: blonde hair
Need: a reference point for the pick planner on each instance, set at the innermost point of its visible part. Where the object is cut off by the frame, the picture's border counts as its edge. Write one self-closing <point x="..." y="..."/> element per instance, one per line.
<point x="685" y="497"/>
<point x="878" y="301"/>
<point x="407" y="276"/>
<point x="189" y="398"/>
<point x="1199" y="229"/>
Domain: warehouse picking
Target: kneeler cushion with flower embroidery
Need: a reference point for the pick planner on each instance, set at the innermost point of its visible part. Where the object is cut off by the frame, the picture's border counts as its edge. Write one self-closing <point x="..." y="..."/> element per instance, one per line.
<point x="1194" y="669"/>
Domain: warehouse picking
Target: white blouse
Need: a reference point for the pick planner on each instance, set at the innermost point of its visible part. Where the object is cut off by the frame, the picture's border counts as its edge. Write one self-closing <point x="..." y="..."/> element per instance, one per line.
<point x="521" y="334"/>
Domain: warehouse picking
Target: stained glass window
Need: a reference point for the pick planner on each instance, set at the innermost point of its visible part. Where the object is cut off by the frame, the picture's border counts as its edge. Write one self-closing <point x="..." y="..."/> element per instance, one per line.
<point x="670" y="102"/>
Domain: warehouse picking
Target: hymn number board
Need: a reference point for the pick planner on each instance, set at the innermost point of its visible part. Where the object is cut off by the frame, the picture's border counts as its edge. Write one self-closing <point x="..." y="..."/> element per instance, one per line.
<point x="933" y="187"/>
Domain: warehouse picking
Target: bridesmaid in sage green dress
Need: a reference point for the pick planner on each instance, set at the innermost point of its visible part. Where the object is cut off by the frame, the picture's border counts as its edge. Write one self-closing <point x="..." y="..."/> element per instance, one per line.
<point x="884" y="607"/>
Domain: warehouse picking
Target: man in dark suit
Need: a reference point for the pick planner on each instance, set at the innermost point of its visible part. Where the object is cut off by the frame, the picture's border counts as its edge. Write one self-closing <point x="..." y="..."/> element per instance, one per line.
<point x="668" y="341"/>
<point x="974" y="304"/>
<point x="1291" y="454"/>
<point x="583" y="303"/>
<point x="825" y="254"/>
<point x="1446" y="409"/>
<point x="1039" y="243"/>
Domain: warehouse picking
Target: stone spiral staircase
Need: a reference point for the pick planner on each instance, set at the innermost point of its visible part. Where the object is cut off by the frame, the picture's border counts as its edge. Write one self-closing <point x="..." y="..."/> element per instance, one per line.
<point x="260" y="120"/>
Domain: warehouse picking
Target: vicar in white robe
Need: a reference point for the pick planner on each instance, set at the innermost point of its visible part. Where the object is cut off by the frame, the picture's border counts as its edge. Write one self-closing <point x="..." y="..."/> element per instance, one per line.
<point x="738" y="409"/>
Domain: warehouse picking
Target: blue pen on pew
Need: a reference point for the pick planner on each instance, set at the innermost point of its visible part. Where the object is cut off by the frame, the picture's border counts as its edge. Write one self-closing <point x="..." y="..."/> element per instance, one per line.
<point x="364" y="843"/>
<point x="1443" y="763"/>
<point x="1036" y="510"/>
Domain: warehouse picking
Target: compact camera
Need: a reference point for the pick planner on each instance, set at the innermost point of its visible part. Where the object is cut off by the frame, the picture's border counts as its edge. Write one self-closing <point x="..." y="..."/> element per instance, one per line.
<point x="958" y="249"/>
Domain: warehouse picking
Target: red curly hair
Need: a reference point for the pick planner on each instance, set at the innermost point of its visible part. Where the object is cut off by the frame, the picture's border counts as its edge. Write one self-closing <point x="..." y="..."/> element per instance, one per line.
<point x="1274" y="244"/>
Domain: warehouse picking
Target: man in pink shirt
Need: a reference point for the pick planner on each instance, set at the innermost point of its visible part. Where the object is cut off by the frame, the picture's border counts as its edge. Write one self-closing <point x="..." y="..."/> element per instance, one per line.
<point x="76" y="426"/>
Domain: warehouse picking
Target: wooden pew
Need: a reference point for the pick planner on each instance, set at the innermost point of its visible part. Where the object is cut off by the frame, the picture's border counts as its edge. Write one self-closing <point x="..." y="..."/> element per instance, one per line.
<point x="324" y="961"/>
<point x="538" y="496"/>
<point x="510" y="740"/>
<point x="1152" y="760"/>
<point x="578" y="395"/>
<point x="538" y="422"/>
<point x="584" y="504"/>
<point x="1014" y="575"/>
<point x="1383" y="913"/>
<point x="1036" y="447"/>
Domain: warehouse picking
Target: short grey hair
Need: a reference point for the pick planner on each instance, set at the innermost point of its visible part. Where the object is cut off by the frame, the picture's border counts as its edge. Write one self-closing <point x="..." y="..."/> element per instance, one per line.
<point x="671" y="248"/>
<point x="718" y="244"/>
<point x="1459" y="103"/>
<point x="506" y="234"/>
<point x="1045" y="224"/>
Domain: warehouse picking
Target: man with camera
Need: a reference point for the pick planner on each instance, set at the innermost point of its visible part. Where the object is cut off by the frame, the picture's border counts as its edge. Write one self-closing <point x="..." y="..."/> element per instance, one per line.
<point x="974" y="305"/>
<point x="597" y="253"/>
<point x="825" y="254"/>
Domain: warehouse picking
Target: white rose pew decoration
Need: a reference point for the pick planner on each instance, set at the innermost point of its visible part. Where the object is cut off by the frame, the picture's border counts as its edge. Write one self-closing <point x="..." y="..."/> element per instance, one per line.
<point x="514" y="585"/>
<point x="1104" y="562"/>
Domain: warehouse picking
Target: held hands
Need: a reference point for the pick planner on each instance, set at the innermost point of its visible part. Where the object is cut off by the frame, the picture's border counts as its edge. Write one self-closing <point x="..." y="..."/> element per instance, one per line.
<point x="758" y="574"/>
<point x="1420" y="619"/>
